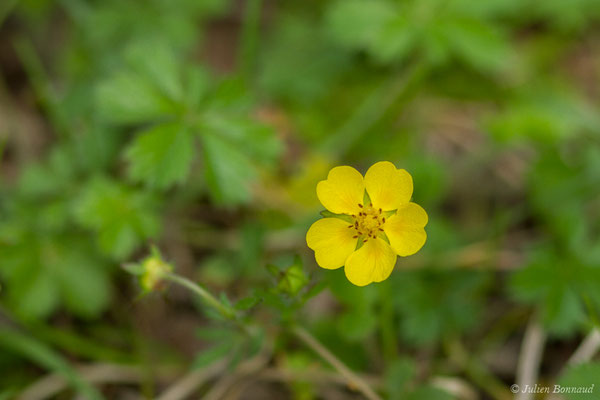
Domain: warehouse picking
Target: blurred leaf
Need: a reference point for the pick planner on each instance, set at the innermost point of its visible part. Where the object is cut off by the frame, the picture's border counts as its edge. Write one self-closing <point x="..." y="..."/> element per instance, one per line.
<point x="228" y="171"/>
<point x="162" y="155"/>
<point x="438" y="302"/>
<point x="157" y="61"/>
<point x="212" y="354"/>
<point x="131" y="98"/>
<point x="477" y="43"/>
<point x="121" y="216"/>
<point x="558" y="286"/>
<point x="584" y="376"/>
<point x="398" y="375"/>
<point x="429" y="393"/>
<point x="234" y="148"/>
<point x="45" y="357"/>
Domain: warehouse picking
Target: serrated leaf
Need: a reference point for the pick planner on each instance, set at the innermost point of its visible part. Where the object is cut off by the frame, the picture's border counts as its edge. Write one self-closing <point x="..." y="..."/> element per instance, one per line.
<point x="161" y="156"/>
<point x="156" y="60"/>
<point x="130" y="98"/>
<point x="228" y="171"/>
<point x="247" y="303"/>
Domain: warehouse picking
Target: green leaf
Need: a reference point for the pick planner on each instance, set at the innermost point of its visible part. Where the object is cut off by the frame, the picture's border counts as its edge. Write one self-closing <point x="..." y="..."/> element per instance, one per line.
<point x="228" y="171"/>
<point x="156" y="60"/>
<point x="121" y="216"/>
<point x="84" y="285"/>
<point x="398" y="375"/>
<point x="212" y="354"/>
<point x="247" y="303"/>
<point x="161" y="156"/>
<point x="356" y="23"/>
<point x="479" y="44"/>
<point x="429" y="393"/>
<point x="329" y="214"/>
<point x="582" y="377"/>
<point x="47" y="358"/>
<point x="434" y="303"/>
<point x="130" y="98"/>
<point x="556" y="285"/>
<point x="38" y="293"/>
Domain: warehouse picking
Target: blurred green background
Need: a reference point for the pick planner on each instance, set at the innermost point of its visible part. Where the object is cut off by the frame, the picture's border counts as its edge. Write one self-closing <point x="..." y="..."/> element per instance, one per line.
<point x="203" y="126"/>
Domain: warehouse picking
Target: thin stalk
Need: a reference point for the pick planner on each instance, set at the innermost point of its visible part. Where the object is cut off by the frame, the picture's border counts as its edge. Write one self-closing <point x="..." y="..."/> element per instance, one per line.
<point x="205" y="295"/>
<point x="373" y="108"/>
<point x="40" y="82"/>
<point x="386" y="321"/>
<point x="352" y="379"/>
<point x="249" y="38"/>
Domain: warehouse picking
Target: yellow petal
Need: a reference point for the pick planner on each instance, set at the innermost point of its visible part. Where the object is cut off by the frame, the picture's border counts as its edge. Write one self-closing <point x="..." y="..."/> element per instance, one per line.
<point x="373" y="262"/>
<point x="332" y="241"/>
<point x="343" y="190"/>
<point x="388" y="187"/>
<point x="405" y="229"/>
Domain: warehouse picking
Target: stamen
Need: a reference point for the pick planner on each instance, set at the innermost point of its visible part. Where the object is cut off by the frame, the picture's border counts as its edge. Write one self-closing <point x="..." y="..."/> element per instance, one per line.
<point x="360" y="205"/>
<point x="354" y="237"/>
<point x="365" y="241"/>
<point x="380" y="211"/>
<point x="350" y="226"/>
<point x="383" y="219"/>
<point x="381" y="229"/>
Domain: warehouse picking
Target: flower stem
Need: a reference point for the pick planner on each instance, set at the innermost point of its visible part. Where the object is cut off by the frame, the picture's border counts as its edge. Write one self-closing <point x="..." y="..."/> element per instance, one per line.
<point x="353" y="379"/>
<point x="250" y="37"/>
<point x="205" y="295"/>
<point x="386" y="315"/>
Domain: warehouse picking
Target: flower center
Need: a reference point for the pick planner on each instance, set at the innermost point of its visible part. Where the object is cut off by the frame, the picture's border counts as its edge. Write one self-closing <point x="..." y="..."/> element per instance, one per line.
<point x="369" y="222"/>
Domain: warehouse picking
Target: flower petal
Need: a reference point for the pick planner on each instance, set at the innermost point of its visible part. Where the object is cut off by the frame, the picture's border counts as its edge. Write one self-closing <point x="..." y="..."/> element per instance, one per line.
<point x="343" y="190"/>
<point x="388" y="187"/>
<point x="405" y="229"/>
<point x="332" y="241"/>
<point x="373" y="262"/>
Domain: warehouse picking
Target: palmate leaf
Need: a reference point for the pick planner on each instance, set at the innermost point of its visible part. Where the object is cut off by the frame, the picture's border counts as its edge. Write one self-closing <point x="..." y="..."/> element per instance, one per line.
<point x="234" y="149"/>
<point x="121" y="216"/>
<point x="161" y="156"/>
<point x="560" y="286"/>
<point x="43" y="273"/>
<point x="129" y="98"/>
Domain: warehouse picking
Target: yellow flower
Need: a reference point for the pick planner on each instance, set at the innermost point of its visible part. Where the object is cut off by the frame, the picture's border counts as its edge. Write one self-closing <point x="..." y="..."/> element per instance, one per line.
<point x="371" y="228"/>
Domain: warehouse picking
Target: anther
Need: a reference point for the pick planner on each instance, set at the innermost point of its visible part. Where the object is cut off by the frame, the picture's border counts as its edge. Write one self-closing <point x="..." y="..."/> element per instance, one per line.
<point x="360" y="205"/>
<point x="374" y="217"/>
<point x="381" y="229"/>
<point x="383" y="219"/>
<point x="380" y="211"/>
<point x="350" y="226"/>
<point x="354" y="237"/>
<point x="365" y="241"/>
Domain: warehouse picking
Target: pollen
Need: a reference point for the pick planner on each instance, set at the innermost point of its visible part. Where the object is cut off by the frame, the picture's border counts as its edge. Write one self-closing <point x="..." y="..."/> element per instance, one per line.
<point x="368" y="222"/>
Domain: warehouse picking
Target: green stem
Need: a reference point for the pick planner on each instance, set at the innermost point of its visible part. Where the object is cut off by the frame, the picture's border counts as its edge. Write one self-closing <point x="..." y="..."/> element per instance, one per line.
<point x="41" y="84"/>
<point x="373" y="108"/>
<point x="386" y="315"/>
<point x="206" y="296"/>
<point x="249" y="38"/>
